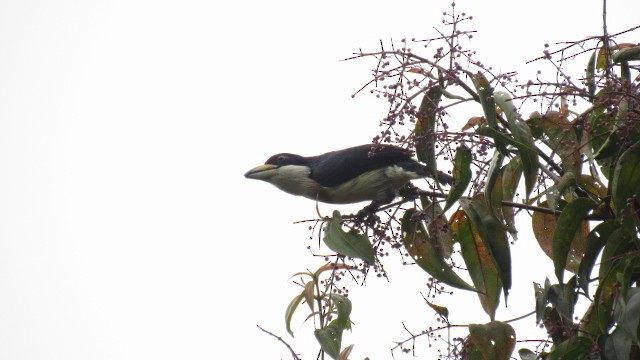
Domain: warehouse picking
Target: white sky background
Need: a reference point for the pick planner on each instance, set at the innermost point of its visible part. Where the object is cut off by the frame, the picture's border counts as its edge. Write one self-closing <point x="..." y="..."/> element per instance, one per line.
<point x="127" y="230"/>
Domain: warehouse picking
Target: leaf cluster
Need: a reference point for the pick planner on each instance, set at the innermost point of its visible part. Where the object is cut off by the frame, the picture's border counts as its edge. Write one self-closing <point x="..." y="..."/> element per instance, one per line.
<point x="575" y="173"/>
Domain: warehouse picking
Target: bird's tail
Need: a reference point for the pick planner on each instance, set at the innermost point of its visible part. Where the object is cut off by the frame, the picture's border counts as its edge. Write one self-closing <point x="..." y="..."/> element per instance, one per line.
<point x="421" y="170"/>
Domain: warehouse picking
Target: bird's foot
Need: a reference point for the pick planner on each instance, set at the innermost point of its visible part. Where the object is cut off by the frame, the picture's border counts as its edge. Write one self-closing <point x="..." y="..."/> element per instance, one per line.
<point x="408" y="191"/>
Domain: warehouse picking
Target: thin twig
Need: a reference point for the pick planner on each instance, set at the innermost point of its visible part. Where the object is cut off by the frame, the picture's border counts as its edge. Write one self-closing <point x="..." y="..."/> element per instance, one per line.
<point x="520" y="317"/>
<point x="413" y="337"/>
<point x="574" y="43"/>
<point x="293" y="353"/>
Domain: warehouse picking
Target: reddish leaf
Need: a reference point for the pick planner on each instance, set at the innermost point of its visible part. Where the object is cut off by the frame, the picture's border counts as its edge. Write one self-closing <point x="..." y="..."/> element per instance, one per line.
<point x="482" y="270"/>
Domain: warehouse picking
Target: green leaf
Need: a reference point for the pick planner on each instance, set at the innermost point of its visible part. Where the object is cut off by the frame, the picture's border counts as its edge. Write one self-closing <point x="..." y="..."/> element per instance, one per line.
<point x="449" y="95"/>
<point x="480" y="266"/>
<point x="438" y="228"/>
<point x="425" y="130"/>
<point x="349" y="243"/>
<point x="595" y="241"/>
<point x="440" y="234"/>
<point x="544" y="229"/>
<point x="569" y="221"/>
<point x="616" y="244"/>
<point x="461" y="174"/>
<point x="590" y="73"/>
<point x="343" y="305"/>
<point x="526" y="150"/>
<point x="501" y="185"/>
<point x="309" y="288"/>
<point x="602" y="137"/>
<point x="344" y="355"/>
<point x="420" y="248"/>
<point x="567" y="184"/>
<point x="504" y="338"/>
<point x="627" y="54"/>
<point x="493" y="175"/>
<point x="592" y="185"/>
<point x="577" y="347"/>
<point x="493" y="236"/>
<point x="541" y="299"/>
<point x="330" y="339"/>
<point x="555" y="328"/>
<point x="495" y="340"/>
<point x="521" y="133"/>
<point x="526" y="354"/>
<point x="498" y="136"/>
<point x="617" y="345"/>
<point x="291" y="309"/>
<point x="626" y="178"/>
<point x="503" y="100"/>
<point x="603" y="149"/>
<point x="560" y="136"/>
<point x="598" y="318"/>
<point x="480" y="339"/>
<point x="511" y="174"/>
<point x="528" y="155"/>
<point x="614" y="130"/>
<point x="563" y="297"/>
<point x="522" y="139"/>
<point x="625" y="76"/>
<point x="485" y="95"/>
<point x="627" y="313"/>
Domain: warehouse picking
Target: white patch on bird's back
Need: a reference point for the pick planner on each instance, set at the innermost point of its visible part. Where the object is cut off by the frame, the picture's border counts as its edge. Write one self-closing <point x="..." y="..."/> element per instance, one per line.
<point x="399" y="176"/>
<point x="379" y="184"/>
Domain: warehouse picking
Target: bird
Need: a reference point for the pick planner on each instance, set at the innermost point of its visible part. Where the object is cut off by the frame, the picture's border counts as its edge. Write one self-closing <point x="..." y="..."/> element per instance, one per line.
<point x="370" y="172"/>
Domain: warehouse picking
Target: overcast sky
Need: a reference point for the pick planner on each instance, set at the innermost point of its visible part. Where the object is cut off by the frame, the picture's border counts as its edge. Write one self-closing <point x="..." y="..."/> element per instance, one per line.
<point x="127" y="229"/>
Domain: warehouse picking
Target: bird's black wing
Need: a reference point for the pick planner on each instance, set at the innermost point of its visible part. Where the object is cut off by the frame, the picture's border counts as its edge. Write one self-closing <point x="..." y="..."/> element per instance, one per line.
<point x="337" y="167"/>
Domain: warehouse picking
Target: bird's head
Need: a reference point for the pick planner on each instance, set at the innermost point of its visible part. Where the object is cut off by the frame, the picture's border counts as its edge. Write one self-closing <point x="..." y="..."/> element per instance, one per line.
<point x="276" y="165"/>
<point x="289" y="172"/>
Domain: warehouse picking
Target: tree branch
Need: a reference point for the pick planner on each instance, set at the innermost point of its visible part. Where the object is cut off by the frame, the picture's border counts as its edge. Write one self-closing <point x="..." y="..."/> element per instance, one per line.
<point x="504" y="203"/>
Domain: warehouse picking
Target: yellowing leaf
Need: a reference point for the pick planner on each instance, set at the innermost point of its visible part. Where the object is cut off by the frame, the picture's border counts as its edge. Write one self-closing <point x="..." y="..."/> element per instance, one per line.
<point x="473" y="121"/>
<point x="479" y="263"/>
<point x="544" y="226"/>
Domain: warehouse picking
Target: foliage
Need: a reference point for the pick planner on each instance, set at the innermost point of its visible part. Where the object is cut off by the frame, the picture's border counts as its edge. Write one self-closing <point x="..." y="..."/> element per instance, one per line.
<point x="575" y="164"/>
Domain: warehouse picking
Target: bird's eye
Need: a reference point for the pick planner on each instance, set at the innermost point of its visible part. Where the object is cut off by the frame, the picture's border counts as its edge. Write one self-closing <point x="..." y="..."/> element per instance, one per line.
<point x="280" y="158"/>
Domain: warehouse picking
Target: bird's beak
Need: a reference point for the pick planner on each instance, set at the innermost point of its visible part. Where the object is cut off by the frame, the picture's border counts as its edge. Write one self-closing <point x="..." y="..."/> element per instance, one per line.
<point x="262" y="172"/>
